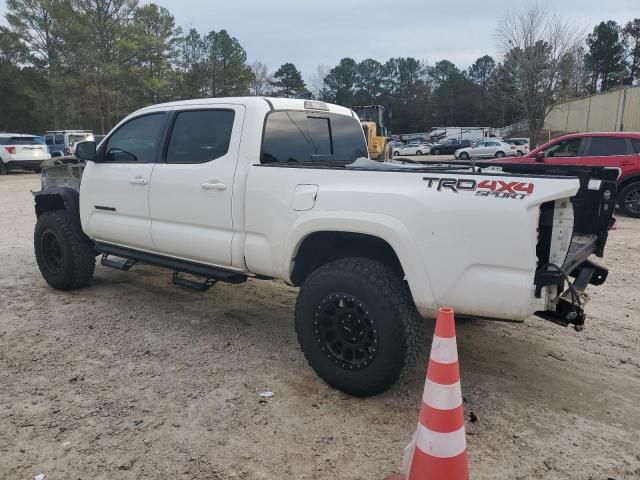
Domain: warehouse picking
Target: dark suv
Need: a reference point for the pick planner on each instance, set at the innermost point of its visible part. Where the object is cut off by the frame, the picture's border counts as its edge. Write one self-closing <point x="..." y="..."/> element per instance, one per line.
<point x="449" y="147"/>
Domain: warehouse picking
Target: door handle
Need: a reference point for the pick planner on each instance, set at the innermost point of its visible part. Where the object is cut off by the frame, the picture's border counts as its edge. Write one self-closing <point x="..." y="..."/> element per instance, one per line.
<point x="138" y="181"/>
<point x="214" y="185"/>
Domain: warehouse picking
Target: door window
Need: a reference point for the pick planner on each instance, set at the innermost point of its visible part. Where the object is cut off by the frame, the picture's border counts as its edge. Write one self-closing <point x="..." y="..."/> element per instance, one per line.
<point x="607" y="146"/>
<point x="566" y="148"/>
<point x="200" y="136"/>
<point x="635" y="143"/>
<point x="59" y="139"/>
<point x="136" y="141"/>
<point x="49" y="139"/>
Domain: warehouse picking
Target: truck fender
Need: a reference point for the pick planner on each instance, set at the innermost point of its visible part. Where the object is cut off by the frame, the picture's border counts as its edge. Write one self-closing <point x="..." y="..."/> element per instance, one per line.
<point x="386" y="228"/>
<point x="58" y="198"/>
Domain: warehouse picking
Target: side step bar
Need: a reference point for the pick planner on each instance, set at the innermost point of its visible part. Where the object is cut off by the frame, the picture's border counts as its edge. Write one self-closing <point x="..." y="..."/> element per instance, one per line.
<point x="203" y="286"/>
<point x="211" y="274"/>
<point x="122" y="266"/>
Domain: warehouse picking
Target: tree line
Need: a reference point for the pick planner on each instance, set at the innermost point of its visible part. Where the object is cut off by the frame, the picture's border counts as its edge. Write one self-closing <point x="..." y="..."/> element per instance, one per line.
<point x="88" y="63"/>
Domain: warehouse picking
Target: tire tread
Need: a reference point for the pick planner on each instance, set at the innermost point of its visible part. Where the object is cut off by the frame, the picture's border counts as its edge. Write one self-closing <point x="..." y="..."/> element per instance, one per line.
<point x="396" y="293"/>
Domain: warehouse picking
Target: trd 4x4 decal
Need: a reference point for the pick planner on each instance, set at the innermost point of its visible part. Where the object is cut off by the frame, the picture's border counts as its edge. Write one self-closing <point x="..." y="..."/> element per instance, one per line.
<point x="483" y="188"/>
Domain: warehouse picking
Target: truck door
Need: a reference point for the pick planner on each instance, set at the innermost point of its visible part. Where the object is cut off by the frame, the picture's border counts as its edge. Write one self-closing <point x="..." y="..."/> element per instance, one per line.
<point x="192" y="185"/>
<point x="114" y="191"/>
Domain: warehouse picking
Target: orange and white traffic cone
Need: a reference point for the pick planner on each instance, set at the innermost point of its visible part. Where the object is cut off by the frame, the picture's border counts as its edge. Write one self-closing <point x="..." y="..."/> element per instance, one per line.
<point x="438" y="450"/>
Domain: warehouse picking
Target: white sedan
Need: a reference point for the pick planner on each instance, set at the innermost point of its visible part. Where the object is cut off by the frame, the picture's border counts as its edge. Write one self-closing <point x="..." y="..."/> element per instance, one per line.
<point x="412" y="149"/>
<point x="486" y="149"/>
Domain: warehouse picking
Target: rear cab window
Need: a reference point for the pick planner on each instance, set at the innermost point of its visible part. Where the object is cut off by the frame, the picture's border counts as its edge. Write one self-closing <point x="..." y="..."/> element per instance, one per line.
<point x="309" y="136"/>
<point x="20" y="141"/>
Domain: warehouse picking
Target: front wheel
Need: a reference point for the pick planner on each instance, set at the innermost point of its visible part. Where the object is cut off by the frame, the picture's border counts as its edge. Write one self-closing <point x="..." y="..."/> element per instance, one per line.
<point x="499" y="154"/>
<point x="629" y="200"/>
<point x="395" y="154"/>
<point x="65" y="255"/>
<point x="464" y="156"/>
<point x="436" y="152"/>
<point x="357" y="325"/>
<point x="419" y="152"/>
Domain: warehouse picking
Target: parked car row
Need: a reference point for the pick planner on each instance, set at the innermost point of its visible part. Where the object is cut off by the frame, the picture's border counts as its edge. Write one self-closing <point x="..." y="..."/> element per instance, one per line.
<point x="27" y="152"/>
<point x="465" y="149"/>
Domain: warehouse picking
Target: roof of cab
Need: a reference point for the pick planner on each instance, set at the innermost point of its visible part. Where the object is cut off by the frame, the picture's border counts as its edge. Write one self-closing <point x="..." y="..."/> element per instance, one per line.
<point x="275" y="103"/>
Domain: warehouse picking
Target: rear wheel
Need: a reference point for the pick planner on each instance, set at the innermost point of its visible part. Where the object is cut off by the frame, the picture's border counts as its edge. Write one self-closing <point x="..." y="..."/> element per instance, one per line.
<point x="3" y="169"/>
<point x="357" y="325"/>
<point x="499" y="154"/>
<point x="629" y="200"/>
<point x="65" y="255"/>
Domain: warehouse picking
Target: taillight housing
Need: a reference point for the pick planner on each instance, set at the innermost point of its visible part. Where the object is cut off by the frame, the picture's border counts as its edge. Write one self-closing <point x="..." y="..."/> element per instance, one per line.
<point x="11" y="150"/>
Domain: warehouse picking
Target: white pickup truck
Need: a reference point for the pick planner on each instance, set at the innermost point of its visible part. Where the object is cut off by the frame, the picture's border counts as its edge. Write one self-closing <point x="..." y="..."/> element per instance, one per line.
<point x="231" y="188"/>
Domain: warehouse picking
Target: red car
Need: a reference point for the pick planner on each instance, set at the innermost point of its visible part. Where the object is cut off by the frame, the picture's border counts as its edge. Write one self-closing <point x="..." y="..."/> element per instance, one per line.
<point x="607" y="149"/>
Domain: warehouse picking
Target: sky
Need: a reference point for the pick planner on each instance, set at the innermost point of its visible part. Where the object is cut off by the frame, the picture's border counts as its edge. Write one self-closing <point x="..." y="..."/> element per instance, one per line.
<point x="309" y="33"/>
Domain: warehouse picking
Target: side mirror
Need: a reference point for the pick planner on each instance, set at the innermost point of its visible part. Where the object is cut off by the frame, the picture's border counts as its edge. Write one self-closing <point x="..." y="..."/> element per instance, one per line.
<point x="539" y="156"/>
<point x="86" y="151"/>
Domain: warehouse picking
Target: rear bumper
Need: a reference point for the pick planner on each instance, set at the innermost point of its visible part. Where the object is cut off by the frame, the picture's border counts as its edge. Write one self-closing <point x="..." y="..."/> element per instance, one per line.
<point x="24" y="164"/>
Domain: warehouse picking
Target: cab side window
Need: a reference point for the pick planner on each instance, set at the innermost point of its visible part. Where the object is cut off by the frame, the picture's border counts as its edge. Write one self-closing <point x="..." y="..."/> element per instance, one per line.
<point x="566" y="148"/>
<point x="635" y="143"/>
<point x="136" y="141"/>
<point x="607" y="146"/>
<point x="200" y="136"/>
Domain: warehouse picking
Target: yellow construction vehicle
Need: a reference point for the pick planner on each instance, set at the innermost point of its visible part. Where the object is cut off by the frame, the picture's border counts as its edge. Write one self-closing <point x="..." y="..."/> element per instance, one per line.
<point x="373" y="122"/>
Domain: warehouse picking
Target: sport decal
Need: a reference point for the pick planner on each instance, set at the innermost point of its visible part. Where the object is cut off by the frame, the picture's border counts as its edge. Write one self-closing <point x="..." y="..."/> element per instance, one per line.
<point x="482" y="188"/>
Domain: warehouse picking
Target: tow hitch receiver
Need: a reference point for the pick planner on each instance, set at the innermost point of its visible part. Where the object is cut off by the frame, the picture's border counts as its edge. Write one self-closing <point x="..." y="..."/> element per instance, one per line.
<point x="569" y="305"/>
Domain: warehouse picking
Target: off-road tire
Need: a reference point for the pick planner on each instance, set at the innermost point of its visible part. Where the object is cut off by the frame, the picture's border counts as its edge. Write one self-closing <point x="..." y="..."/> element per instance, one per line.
<point x="387" y="302"/>
<point x="623" y="199"/>
<point x="3" y="169"/>
<point x="78" y="257"/>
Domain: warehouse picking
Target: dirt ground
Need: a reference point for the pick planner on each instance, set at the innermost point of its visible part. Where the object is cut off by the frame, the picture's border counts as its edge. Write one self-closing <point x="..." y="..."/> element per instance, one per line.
<point x="134" y="378"/>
